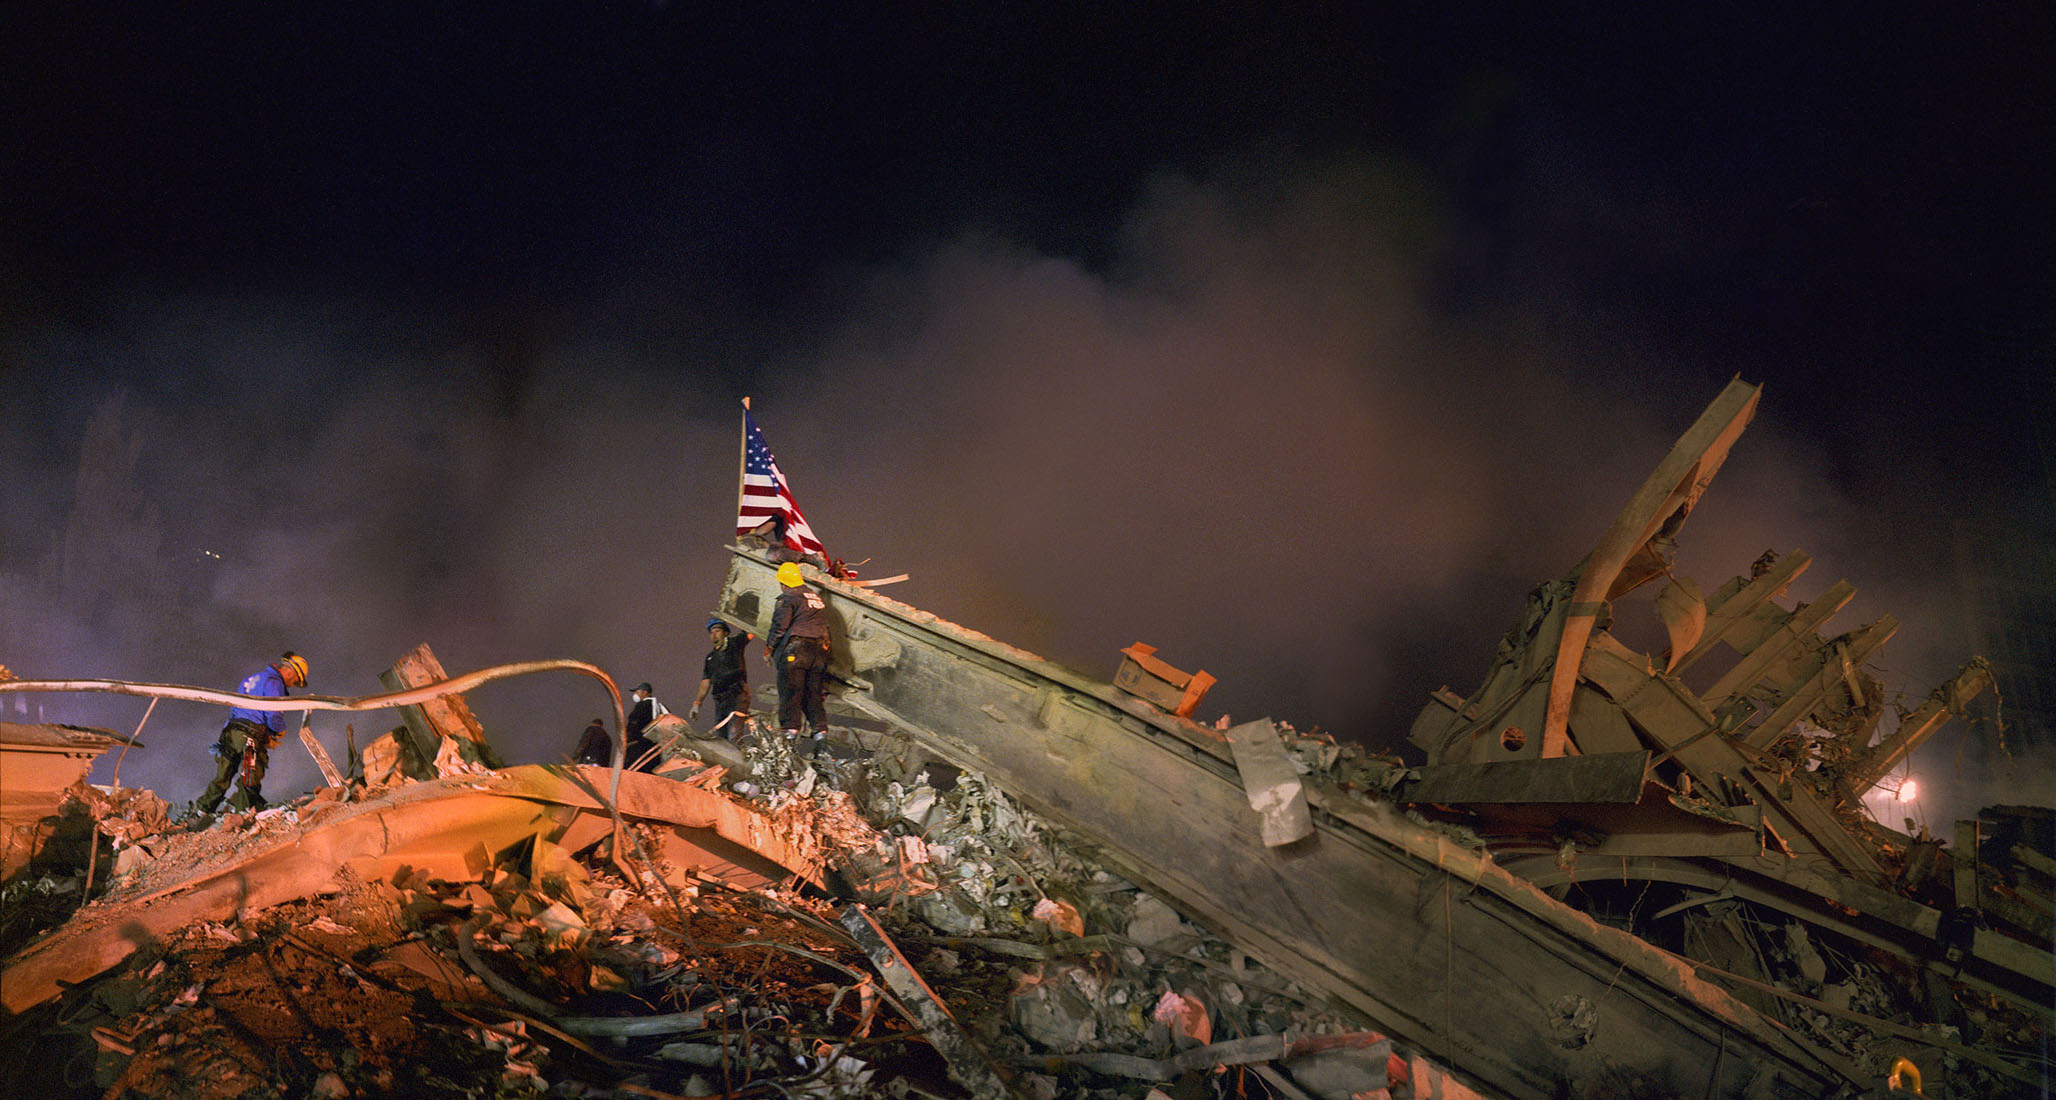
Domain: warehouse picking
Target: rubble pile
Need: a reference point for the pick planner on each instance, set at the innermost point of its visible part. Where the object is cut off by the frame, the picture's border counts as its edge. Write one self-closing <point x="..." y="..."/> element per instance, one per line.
<point x="578" y="986"/>
<point x="1615" y="874"/>
<point x="1859" y="1002"/>
<point x="1827" y="988"/>
<point x="1103" y="983"/>
<point x="31" y="906"/>
<point x="1035" y="971"/>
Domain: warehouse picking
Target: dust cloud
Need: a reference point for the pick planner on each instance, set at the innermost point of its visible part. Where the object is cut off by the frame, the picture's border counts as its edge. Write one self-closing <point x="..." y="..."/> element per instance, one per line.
<point x="1256" y="436"/>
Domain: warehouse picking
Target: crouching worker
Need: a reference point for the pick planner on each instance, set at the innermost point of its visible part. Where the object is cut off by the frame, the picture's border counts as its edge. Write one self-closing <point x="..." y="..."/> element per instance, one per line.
<point x="244" y="749"/>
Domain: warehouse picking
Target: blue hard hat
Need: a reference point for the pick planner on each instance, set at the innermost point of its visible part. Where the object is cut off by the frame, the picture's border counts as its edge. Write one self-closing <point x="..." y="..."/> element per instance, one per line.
<point x="714" y="622"/>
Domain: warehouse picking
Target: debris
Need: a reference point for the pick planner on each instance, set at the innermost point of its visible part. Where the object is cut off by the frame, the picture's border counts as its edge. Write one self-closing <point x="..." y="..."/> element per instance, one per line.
<point x="437" y="824"/>
<point x="1317" y="914"/>
<point x="1147" y="676"/>
<point x="329" y="772"/>
<point x="1271" y="782"/>
<point x="1151" y="922"/>
<point x="1059" y="915"/>
<point x="1053" y="1006"/>
<point x="1185" y="1016"/>
<point x="392" y="758"/>
<point x="968" y="1062"/>
<point x="520" y="932"/>
<point x="40" y="763"/>
<point x="438" y="723"/>
<point x="1572" y="1020"/>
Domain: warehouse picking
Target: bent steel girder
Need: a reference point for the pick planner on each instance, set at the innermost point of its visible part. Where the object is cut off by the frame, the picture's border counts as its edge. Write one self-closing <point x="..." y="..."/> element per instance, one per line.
<point x="1997" y="964"/>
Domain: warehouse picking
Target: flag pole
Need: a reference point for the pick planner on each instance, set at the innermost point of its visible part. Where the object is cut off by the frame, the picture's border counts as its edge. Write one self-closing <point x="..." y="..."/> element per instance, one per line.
<point x="742" y="456"/>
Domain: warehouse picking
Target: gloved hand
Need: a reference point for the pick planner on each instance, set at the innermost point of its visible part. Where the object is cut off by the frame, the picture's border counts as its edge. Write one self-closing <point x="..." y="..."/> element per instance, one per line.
<point x="692" y="712"/>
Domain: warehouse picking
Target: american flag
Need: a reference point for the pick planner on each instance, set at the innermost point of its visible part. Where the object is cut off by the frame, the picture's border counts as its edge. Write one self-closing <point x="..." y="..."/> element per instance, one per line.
<point x="765" y="493"/>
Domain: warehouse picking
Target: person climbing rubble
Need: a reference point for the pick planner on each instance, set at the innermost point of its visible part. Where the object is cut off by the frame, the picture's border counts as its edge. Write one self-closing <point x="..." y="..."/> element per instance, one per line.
<point x="243" y="751"/>
<point x="798" y="647"/>
<point x="723" y="674"/>
<point x="770" y="537"/>
<point x="645" y="710"/>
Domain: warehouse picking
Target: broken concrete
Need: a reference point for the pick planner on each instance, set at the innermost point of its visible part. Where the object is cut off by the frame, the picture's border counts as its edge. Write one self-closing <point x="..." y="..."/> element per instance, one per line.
<point x="1585" y="724"/>
<point x="493" y="895"/>
<point x="40" y="764"/>
<point x="1271" y="782"/>
<point x="443" y="725"/>
<point x="448" y="827"/>
<point x="1366" y="911"/>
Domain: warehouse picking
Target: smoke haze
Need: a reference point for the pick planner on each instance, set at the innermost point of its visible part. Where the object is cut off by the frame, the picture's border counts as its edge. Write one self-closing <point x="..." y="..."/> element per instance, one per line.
<point x="1259" y="436"/>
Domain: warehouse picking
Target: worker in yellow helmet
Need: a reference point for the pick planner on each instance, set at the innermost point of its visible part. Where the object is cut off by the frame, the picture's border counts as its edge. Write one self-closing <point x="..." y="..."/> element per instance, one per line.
<point x="798" y="648"/>
<point x="244" y="750"/>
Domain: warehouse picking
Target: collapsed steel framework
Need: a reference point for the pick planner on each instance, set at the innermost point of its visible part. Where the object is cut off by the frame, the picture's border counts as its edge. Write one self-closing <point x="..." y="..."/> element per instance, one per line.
<point x="1573" y="737"/>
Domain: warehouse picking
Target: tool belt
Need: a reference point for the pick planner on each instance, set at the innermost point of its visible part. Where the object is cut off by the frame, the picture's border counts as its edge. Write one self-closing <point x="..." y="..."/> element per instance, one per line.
<point x="254" y="733"/>
<point x="802" y="651"/>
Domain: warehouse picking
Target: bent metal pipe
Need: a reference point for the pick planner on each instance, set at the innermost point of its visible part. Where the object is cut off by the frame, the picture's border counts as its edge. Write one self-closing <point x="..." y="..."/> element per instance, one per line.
<point x="408" y="697"/>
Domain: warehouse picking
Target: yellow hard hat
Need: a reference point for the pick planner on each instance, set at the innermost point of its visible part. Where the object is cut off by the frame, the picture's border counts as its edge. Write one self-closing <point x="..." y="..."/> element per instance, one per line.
<point x="297" y="663"/>
<point x="789" y="575"/>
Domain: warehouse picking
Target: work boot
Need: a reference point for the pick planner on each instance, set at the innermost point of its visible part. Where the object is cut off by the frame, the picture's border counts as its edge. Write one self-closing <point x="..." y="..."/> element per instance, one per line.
<point x="814" y="747"/>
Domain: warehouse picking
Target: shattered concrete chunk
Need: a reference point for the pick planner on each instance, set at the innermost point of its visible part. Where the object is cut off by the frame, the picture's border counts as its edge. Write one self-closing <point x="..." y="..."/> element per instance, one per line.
<point x="1051" y="1005"/>
<point x="1151" y="922"/>
<point x="1271" y="782"/>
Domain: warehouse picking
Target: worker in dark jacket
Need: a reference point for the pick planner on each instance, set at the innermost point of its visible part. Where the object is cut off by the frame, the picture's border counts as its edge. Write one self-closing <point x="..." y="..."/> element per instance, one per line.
<point x="798" y="647"/>
<point x="723" y="674"/>
<point x="594" y="746"/>
<point x="645" y="711"/>
<point x="243" y="751"/>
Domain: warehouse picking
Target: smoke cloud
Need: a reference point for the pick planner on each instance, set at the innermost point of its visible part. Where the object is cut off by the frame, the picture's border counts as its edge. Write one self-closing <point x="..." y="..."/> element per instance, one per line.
<point x="1258" y="437"/>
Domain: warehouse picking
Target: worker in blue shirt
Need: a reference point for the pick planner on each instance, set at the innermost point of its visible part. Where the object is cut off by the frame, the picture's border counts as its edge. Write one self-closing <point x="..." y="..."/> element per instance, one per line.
<point x="244" y="750"/>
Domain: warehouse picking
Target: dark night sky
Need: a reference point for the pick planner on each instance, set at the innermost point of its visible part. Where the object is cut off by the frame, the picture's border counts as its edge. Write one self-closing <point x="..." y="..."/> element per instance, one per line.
<point x="1299" y="343"/>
